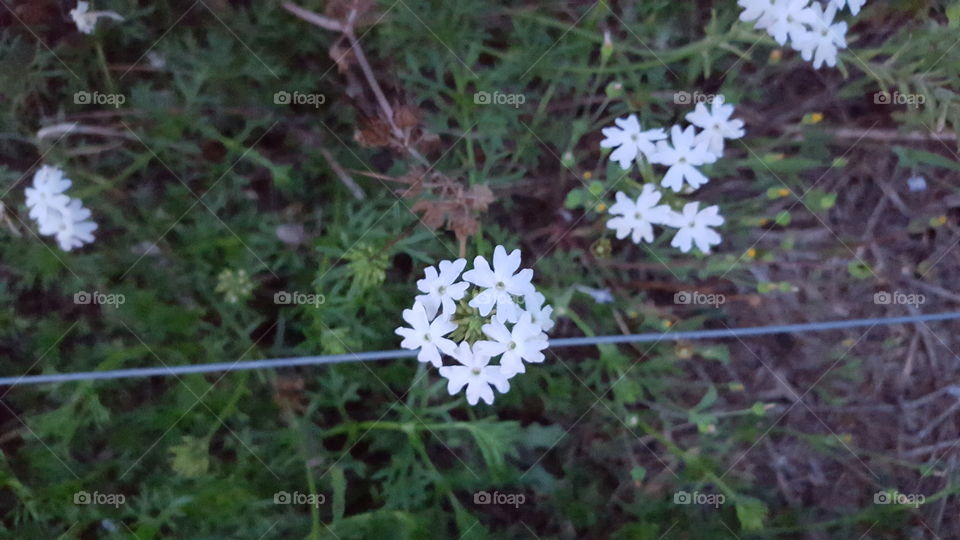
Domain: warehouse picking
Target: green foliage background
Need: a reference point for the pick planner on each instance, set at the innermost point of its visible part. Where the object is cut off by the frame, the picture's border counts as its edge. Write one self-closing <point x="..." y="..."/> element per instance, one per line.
<point x="205" y="165"/>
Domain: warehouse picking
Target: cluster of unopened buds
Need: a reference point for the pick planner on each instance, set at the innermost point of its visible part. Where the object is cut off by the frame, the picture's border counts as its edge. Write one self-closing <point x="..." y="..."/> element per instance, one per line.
<point x="477" y="316"/>
<point x="686" y="150"/>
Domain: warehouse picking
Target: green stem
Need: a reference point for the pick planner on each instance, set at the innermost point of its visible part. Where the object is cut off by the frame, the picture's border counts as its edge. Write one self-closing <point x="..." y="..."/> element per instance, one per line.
<point x="108" y="80"/>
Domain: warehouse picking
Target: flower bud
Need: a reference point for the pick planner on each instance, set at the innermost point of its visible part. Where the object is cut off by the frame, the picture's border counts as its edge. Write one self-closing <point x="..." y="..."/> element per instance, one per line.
<point x="614" y="90"/>
<point x="606" y="50"/>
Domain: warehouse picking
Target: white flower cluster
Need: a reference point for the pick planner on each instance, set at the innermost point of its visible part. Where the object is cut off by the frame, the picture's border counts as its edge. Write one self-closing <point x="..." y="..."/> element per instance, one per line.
<point x="86" y="20"/>
<point x="55" y="212"/>
<point x="484" y="313"/>
<point x="808" y="26"/>
<point x="686" y="150"/>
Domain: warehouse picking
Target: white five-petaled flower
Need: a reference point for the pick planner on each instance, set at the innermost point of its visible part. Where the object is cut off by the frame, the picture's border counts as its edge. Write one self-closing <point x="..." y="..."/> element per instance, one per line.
<point x="500" y="284"/>
<point x="442" y="289"/>
<point x="637" y="218"/>
<point x="86" y="20"/>
<point x="789" y="19"/>
<point x="855" y="5"/>
<point x="694" y="227"/>
<point x="522" y="343"/>
<point x="822" y="42"/>
<point x="476" y="374"/>
<point x="74" y="228"/>
<point x="539" y="313"/>
<point x="630" y="141"/>
<point x="683" y="157"/>
<point x="426" y="335"/>
<point x="716" y="124"/>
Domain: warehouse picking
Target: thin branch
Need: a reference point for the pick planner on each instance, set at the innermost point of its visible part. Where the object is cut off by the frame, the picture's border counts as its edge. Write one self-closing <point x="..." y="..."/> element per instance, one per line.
<point x="347" y="180"/>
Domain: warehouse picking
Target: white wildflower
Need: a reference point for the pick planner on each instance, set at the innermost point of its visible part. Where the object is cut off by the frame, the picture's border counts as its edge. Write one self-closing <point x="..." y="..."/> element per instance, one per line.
<point x="500" y="284"/>
<point x="539" y="313"/>
<point x="442" y="289"/>
<point x="75" y="228"/>
<point x="600" y="296"/>
<point x="523" y="343"/>
<point x="86" y="20"/>
<point x="821" y="43"/>
<point x="630" y="141"/>
<point x="476" y="373"/>
<point x="694" y="227"/>
<point x="683" y="157"/>
<point x="789" y="19"/>
<point x="426" y="335"/>
<point x="716" y="124"/>
<point x="46" y="199"/>
<point x="55" y="212"/>
<point x="637" y="218"/>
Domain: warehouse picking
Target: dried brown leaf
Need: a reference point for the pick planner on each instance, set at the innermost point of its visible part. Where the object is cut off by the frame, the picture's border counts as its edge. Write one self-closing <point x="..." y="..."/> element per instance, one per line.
<point x="480" y="197"/>
<point x="406" y="117"/>
<point x="375" y="133"/>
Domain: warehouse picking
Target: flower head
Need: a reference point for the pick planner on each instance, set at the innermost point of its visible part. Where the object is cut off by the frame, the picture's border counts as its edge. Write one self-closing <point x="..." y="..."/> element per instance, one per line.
<point x="467" y="316"/>
<point x="715" y="124"/>
<point x="442" y="289"/>
<point x="630" y="141"/>
<point x="476" y="374"/>
<point x="683" y="155"/>
<point x="235" y="285"/>
<point x="86" y="20"/>
<point x="426" y="335"/>
<point x="523" y="343"/>
<point x="637" y="218"/>
<point x="695" y="228"/>
<point x="500" y="284"/>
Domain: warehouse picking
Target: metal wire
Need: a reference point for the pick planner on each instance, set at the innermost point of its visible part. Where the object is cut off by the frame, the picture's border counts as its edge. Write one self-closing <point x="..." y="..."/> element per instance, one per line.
<point x="275" y="363"/>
